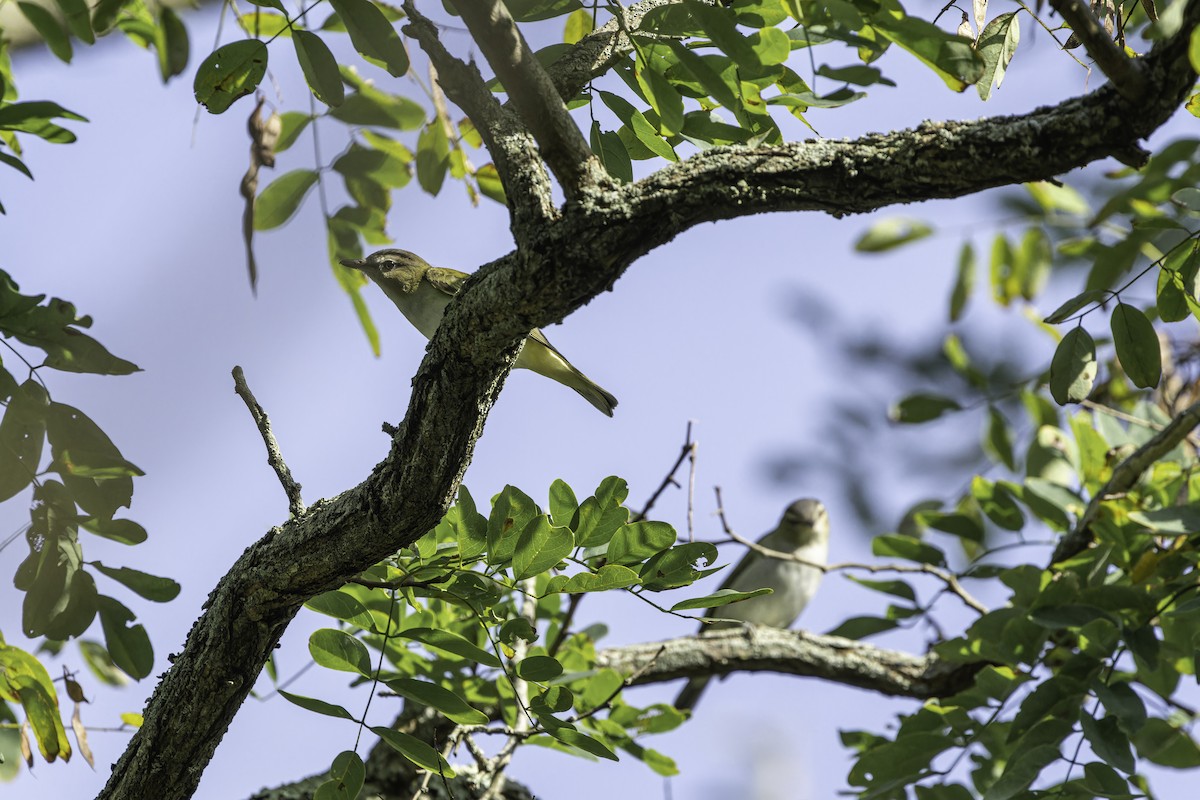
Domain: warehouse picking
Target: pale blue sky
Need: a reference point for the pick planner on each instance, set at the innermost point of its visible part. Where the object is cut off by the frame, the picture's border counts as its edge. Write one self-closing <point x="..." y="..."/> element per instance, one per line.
<point x="138" y="224"/>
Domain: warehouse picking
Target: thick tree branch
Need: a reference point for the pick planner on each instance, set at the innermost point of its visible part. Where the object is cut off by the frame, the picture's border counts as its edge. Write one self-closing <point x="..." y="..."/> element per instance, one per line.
<point x="935" y="160"/>
<point x="1125" y="475"/>
<point x="1125" y="73"/>
<point x="561" y="142"/>
<point x="830" y="658"/>
<point x="561" y="266"/>
<point x="526" y="184"/>
<point x="596" y="53"/>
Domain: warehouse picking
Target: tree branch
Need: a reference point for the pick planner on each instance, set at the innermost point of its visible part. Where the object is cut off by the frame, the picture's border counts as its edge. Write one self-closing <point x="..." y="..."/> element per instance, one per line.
<point x="1124" y="476"/>
<point x="596" y="53"/>
<point x="762" y="649"/>
<point x="526" y="184"/>
<point x="274" y="455"/>
<point x="1125" y="73"/>
<point x="561" y="266"/>
<point x="559" y="139"/>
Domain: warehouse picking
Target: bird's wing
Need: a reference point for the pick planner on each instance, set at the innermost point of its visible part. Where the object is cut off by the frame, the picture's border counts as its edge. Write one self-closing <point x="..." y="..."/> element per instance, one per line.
<point x="447" y="281"/>
<point x="541" y="339"/>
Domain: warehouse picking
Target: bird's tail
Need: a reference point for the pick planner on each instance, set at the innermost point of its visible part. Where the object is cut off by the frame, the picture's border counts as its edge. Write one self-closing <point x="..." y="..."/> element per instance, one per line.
<point x="592" y="392"/>
<point x="689" y="695"/>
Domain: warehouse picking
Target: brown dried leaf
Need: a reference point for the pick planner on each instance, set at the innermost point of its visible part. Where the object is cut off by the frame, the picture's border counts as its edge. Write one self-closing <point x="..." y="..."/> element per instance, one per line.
<point x="81" y="738"/>
<point x="264" y="134"/>
<point x="26" y="749"/>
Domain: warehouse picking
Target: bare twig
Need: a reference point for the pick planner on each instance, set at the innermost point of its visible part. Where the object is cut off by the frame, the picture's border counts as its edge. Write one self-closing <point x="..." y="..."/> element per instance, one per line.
<point x="945" y="576"/>
<point x="1126" y="74"/>
<point x="687" y="450"/>
<point x="274" y="456"/>
<point x="691" y="495"/>
<point x="521" y="690"/>
<point x="1124" y="476"/>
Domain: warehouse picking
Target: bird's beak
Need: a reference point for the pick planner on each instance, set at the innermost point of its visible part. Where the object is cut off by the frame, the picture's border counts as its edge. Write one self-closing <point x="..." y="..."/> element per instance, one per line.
<point x="353" y="263"/>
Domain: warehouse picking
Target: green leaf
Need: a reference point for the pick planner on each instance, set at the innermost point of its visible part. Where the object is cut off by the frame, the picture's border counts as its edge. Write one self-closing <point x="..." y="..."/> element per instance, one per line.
<point x="721" y="597"/>
<point x="896" y="588"/>
<point x="610" y="576"/>
<point x="922" y="407"/>
<point x="291" y="125"/>
<point x="1176" y="520"/>
<point x="373" y="35"/>
<point x="49" y="28"/>
<point x="231" y="71"/>
<point x="964" y="526"/>
<point x="638" y="541"/>
<point x="539" y="668"/>
<point x="721" y="28"/>
<point x="451" y="643"/>
<point x="611" y="151"/>
<point x="22" y="435"/>
<point x="317" y="706"/>
<point x="998" y="503"/>
<point x="1076" y="303"/>
<point x="370" y="106"/>
<point x="433" y="157"/>
<point x="563" y="504"/>
<point x="951" y="57"/>
<point x="1107" y="741"/>
<point x="581" y="740"/>
<point x="709" y="78"/>
<point x="1164" y="744"/>
<point x="470" y="527"/>
<point x="171" y="42"/>
<point x="125" y="531"/>
<point x="281" y="198"/>
<point x="1170" y="299"/>
<point x="662" y="96"/>
<point x="347" y="775"/>
<point x="78" y="18"/>
<point x="340" y="605"/>
<point x="1020" y="773"/>
<point x="415" y="751"/>
<point x="964" y="282"/>
<point x="1121" y="701"/>
<point x="439" y="698"/>
<point x="339" y="650"/>
<point x="539" y="547"/>
<point x="888" y="234"/>
<point x="320" y="67"/>
<point x="598" y="523"/>
<point x="27" y="680"/>
<point x="151" y="587"/>
<point x="998" y="439"/>
<point x="863" y="627"/>
<point x="1073" y="368"/>
<point x="996" y="46"/>
<point x="907" y="547"/>
<point x="1137" y="346"/>
<point x="578" y="25"/>
<point x="128" y="645"/>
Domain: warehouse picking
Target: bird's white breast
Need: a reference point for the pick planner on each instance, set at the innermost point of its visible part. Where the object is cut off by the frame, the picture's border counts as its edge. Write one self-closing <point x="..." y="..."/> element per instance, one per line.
<point x="794" y="586"/>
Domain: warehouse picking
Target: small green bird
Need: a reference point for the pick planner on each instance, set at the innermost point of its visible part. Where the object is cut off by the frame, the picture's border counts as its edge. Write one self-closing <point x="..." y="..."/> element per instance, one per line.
<point x="803" y="532"/>
<point x="422" y="292"/>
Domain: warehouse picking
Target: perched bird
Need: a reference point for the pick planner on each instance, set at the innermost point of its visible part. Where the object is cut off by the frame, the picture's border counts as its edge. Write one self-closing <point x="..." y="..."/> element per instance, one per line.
<point x="804" y="533"/>
<point x="422" y="293"/>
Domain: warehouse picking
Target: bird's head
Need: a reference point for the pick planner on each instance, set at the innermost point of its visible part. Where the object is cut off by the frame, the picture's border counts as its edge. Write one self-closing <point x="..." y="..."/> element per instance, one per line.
<point x="383" y="262"/>
<point x="807" y="517"/>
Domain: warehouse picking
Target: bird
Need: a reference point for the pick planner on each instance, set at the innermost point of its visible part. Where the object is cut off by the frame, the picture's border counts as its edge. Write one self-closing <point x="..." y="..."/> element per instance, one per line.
<point x="422" y="292"/>
<point x="803" y="532"/>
